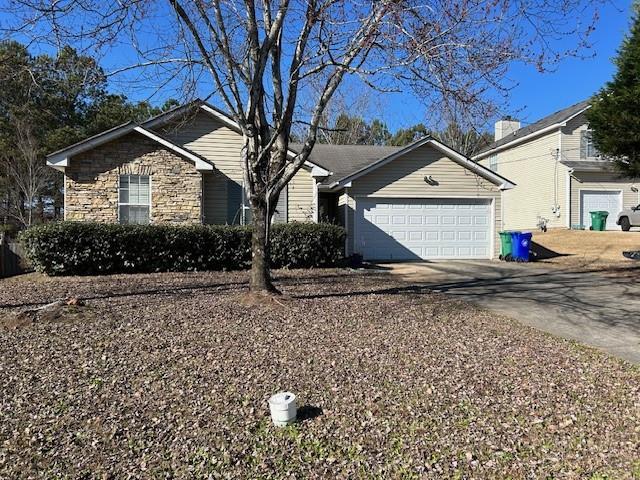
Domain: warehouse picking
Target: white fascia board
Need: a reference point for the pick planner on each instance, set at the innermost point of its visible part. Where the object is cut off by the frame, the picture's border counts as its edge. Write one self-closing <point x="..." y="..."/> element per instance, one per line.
<point x="62" y="158"/>
<point x="200" y="164"/>
<point x="60" y="164"/>
<point x="518" y="141"/>
<point x="316" y="170"/>
<point x="228" y="121"/>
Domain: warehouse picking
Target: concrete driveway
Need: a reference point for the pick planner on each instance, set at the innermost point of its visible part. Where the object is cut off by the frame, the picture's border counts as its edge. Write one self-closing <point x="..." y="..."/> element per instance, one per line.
<point x="600" y="308"/>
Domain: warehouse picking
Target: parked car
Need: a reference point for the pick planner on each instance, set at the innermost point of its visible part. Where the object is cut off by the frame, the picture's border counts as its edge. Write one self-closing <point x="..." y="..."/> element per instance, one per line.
<point x="628" y="218"/>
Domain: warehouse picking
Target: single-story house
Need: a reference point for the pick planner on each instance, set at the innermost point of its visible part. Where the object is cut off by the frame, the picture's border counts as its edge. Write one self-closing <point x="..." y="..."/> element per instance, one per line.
<point x="561" y="177"/>
<point x="422" y="201"/>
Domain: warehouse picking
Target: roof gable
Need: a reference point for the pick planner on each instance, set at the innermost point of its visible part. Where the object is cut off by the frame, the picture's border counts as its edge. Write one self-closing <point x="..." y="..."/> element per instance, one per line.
<point x="394" y="153"/>
<point x="550" y="122"/>
<point x="60" y="159"/>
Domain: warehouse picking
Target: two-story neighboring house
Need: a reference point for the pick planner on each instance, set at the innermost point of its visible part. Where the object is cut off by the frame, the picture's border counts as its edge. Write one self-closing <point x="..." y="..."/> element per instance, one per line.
<point x="560" y="175"/>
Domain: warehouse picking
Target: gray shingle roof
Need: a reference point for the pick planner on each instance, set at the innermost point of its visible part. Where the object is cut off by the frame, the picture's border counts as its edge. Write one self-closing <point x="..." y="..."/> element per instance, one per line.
<point x="343" y="160"/>
<point x="557" y="117"/>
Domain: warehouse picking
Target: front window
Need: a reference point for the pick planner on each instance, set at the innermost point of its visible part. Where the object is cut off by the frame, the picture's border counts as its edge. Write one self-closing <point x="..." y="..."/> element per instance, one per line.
<point x="134" y="200"/>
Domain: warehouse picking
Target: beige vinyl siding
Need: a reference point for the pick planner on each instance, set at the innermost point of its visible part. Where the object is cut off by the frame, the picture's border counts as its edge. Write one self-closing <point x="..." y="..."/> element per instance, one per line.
<point x="404" y="178"/>
<point x="301" y="202"/>
<point x="223" y="146"/>
<point x="599" y="181"/>
<point x="281" y="208"/>
<point x="533" y="167"/>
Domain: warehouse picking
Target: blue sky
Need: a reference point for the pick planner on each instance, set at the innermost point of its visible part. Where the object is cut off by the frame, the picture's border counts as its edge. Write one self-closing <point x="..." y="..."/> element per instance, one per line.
<point x="539" y="94"/>
<point x="535" y="95"/>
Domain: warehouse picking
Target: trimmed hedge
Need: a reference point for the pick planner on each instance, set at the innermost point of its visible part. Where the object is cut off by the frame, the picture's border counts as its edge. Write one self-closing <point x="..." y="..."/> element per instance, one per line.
<point x="82" y="248"/>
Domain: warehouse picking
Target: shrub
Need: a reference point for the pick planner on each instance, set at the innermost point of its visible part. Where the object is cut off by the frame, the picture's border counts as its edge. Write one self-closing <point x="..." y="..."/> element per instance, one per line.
<point x="82" y="248"/>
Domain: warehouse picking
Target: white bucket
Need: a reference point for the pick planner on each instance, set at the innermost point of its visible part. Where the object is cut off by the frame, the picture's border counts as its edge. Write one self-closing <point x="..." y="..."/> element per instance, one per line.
<point x="283" y="408"/>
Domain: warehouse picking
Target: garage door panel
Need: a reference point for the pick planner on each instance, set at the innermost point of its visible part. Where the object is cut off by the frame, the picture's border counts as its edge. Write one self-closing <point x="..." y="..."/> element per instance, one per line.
<point x="423" y="229"/>
<point x="480" y="236"/>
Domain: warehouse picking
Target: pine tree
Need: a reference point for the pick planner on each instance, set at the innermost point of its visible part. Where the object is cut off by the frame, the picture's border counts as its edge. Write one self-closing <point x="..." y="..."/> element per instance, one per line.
<point x="615" y="113"/>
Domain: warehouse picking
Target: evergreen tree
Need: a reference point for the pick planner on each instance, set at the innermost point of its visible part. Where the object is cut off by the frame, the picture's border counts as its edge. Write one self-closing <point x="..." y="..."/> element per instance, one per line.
<point x="48" y="103"/>
<point x="614" y="116"/>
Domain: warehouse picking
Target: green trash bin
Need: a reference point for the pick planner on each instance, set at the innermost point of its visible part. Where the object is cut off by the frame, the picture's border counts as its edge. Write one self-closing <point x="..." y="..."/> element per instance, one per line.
<point x="599" y="220"/>
<point x="505" y="246"/>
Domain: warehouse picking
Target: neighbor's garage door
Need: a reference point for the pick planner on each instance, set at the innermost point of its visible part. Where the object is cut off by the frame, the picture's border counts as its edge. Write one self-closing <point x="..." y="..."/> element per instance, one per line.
<point x="405" y="229"/>
<point x="592" y="200"/>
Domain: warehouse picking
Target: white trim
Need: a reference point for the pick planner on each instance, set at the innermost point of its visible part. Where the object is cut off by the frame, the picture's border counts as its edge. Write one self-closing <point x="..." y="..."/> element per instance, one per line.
<point x="316" y="208"/>
<point x="598" y="190"/>
<point x="567" y="199"/>
<point x="502" y="195"/>
<point x="227" y="120"/>
<point x="317" y="171"/>
<point x="487" y="200"/>
<point x="542" y="131"/>
<point x="61" y="159"/>
<point x="348" y="239"/>
<point x="201" y="198"/>
<point x="200" y="164"/>
<point x="64" y="195"/>
<point x="493" y="229"/>
<point x="481" y="170"/>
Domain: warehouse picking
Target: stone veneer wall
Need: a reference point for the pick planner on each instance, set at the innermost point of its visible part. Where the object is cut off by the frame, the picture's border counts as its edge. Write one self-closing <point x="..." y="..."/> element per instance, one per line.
<point x="92" y="181"/>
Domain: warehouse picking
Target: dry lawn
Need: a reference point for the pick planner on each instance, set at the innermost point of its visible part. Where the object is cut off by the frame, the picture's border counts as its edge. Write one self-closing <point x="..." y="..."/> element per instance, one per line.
<point x="167" y="376"/>
<point x="585" y="248"/>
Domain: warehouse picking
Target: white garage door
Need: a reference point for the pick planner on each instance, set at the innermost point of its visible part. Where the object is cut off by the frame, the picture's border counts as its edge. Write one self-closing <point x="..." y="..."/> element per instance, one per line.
<point x="592" y="200"/>
<point x="406" y="229"/>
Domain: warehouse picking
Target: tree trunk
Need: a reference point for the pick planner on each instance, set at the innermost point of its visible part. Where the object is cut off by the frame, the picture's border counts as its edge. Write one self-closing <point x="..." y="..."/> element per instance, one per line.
<point x="260" y="270"/>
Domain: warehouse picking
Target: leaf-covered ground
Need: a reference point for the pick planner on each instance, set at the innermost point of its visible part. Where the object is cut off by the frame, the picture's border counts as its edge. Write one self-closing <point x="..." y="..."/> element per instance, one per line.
<point x="167" y="376"/>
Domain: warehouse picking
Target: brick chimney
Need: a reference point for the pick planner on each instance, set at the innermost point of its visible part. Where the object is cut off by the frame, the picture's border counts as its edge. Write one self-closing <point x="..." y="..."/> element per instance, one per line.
<point x="505" y="127"/>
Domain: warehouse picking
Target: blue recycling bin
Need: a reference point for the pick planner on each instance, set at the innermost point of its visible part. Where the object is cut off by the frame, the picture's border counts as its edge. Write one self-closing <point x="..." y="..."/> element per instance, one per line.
<point x="520" y="243"/>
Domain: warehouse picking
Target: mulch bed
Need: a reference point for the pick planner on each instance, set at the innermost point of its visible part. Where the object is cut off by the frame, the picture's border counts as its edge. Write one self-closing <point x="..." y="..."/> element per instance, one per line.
<point x="167" y="376"/>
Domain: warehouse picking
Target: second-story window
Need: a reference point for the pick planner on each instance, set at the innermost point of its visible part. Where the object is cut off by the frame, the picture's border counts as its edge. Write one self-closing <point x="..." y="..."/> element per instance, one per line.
<point x="587" y="148"/>
<point x="493" y="162"/>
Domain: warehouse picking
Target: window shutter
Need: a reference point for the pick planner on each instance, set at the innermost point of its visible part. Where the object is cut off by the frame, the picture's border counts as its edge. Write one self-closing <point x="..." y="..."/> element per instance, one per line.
<point x="234" y="202"/>
<point x="583" y="143"/>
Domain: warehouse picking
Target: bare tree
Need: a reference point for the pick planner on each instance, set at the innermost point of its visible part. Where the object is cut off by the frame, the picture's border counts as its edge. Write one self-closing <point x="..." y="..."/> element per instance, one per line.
<point x="26" y="174"/>
<point x="263" y="58"/>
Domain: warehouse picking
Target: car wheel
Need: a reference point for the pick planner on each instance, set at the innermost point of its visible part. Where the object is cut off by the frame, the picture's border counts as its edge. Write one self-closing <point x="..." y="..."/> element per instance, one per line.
<point x="625" y="224"/>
